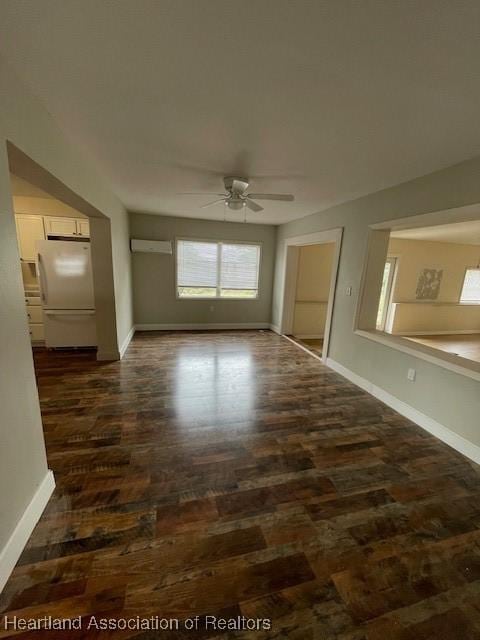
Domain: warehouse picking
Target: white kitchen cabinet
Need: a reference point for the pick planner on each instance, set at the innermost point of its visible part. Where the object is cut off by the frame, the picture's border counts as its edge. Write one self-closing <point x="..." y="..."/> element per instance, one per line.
<point x="36" y="325"/>
<point x="67" y="227"/>
<point x="35" y="315"/>
<point x="83" y="227"/>
<point x="29" y="230"/>
<point x="37" y="332"/>
<point x="60" y="226"/>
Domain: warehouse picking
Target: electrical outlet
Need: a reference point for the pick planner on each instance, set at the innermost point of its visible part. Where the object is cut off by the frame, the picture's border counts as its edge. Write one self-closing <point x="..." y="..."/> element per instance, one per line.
<point x="349" y="291"/>
<point x="212" y="308"/>
<point x="411" y="375"/>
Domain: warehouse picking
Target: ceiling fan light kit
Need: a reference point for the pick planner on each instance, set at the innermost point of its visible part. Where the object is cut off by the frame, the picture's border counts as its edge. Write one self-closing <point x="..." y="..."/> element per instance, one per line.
<point x="237" y="197"/>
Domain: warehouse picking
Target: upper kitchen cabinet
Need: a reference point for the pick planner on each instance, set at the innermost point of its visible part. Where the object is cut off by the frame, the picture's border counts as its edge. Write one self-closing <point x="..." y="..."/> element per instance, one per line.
<point x="29" y="230"/>
<point x="83" y="227"/>
<point x="60" y="226"/>
<point x="66" y="227"/>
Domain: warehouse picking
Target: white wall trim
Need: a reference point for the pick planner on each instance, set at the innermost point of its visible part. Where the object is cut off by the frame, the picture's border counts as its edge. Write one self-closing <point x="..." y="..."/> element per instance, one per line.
<point x="457" y="442"/>
<point x="12" y="551"/>
<point x="207" y="326"/>
<point x="275" y="328"/>
<point x="126" y="342"/>
<point x="465" y="332"/>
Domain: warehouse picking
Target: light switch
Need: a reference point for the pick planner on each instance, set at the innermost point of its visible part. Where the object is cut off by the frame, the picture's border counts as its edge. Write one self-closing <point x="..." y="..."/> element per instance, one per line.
<point x="349" y="291"/>
<point x="411" y="375"/>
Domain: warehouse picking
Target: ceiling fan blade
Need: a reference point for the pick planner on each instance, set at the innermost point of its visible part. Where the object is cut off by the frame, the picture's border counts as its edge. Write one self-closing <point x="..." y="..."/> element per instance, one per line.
<point x="209" y="204"/>
<point x="286" y="197"/>
<point x="253" y="205"/>
<point x="197" y="193"/>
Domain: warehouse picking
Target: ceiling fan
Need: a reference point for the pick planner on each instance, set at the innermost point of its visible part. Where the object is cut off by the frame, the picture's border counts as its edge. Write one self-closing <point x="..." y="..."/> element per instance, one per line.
<point x="237" y="197"/>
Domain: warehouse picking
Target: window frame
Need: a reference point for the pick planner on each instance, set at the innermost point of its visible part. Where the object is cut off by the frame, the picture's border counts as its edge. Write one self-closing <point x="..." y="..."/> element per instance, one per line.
<point x="387" y="311"/>
<point x="219" y="244"/>
<point x="468" y="302"/>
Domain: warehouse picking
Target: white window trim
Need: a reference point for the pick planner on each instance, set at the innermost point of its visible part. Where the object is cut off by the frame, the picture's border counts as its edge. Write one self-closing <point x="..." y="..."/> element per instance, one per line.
<point x="219" y="262"/>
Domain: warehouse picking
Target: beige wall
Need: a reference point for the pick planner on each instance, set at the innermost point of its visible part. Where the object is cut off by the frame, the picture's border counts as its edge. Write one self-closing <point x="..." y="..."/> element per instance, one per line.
<point x="25" y="123"/>
<point x="445" y="396"/>
<point x="425" y="317"/>
<point x="23" y="463"/>
<point x="44" y="207"/>
<point x="410" y="316"/>
<point x="155" y="300"/>
<point x="313" y="288"/>
<point x="415" y="255"/>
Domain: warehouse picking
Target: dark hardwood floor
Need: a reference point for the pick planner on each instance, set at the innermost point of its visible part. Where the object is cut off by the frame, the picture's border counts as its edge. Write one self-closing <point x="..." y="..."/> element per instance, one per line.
<point x="315" y="345"/>
<point x="232" y="474"/>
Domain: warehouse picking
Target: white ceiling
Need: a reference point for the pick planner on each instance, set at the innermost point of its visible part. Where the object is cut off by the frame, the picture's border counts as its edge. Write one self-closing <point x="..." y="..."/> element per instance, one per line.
<point x="459" y="232"/>
<point x="328" y="100"/>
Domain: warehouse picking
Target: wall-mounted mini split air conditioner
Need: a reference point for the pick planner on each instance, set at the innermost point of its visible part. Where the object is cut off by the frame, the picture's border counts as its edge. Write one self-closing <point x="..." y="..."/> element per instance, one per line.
<point x="151" y="246"/>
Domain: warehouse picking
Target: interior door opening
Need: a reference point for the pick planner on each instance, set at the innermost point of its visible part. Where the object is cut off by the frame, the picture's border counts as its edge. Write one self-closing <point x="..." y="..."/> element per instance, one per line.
<point x="315" y="262"/>
<point x="310" y="280"/>
<point x="55" y="259"/>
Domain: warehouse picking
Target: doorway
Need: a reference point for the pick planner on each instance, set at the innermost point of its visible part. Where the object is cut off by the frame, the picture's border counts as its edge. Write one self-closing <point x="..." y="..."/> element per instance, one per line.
<point x="61" y="213"/>
<point x="310" y="277"/>
<point x="54" y="249"/>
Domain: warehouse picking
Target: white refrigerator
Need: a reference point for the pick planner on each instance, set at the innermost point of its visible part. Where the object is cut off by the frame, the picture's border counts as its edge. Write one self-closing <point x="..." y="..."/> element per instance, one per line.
<point x="66" y="288"/>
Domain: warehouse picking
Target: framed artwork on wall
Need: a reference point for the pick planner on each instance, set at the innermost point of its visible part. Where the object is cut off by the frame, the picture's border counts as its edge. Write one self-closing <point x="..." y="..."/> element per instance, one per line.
<point x="428" y="284"/>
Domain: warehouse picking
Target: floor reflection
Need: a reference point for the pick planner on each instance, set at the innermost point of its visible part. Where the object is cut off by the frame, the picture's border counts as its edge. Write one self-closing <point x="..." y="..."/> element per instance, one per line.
<point x="214" y="381"/>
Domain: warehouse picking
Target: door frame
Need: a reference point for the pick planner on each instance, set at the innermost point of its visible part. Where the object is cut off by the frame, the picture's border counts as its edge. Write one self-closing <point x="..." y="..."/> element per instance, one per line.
<point x="292" y="247"/>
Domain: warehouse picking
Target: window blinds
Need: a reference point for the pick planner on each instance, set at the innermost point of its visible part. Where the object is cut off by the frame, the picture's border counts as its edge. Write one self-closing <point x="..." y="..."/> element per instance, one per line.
<point x="239" y="266"/>
<point x="225" y="267"/>
<point x="197" y="264"/>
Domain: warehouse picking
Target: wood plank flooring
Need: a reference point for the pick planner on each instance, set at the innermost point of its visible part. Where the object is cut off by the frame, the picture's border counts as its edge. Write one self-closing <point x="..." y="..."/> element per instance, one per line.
<point x="232" y="474"/>
<point x="463" y="345"/>
<point x="312" y="344"/>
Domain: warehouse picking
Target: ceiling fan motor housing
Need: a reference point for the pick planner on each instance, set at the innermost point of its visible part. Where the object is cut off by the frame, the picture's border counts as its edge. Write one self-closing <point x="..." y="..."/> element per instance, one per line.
<point x="235" y="185"/>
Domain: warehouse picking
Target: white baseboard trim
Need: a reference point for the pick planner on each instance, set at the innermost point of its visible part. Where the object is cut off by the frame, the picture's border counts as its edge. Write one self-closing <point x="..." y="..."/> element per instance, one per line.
<point x="126" y="342"/>
<point x="12" y="551"/>
<point x="275" y="328"/>
<point x="202" y="326"/>
<point x="457" y="442"/>
<point x="463" y="332"/>
<point x="310" y="336"/>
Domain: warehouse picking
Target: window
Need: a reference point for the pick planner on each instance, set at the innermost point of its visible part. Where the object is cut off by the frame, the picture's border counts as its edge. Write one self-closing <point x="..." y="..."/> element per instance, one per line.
<point x="207" y="269"/>
<point x="471" y="286"/>
<point x="385" y="293"/>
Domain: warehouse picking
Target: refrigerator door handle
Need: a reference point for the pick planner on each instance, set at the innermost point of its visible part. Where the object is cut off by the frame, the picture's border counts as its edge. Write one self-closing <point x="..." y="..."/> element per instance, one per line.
<point x="43" y="279"/>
